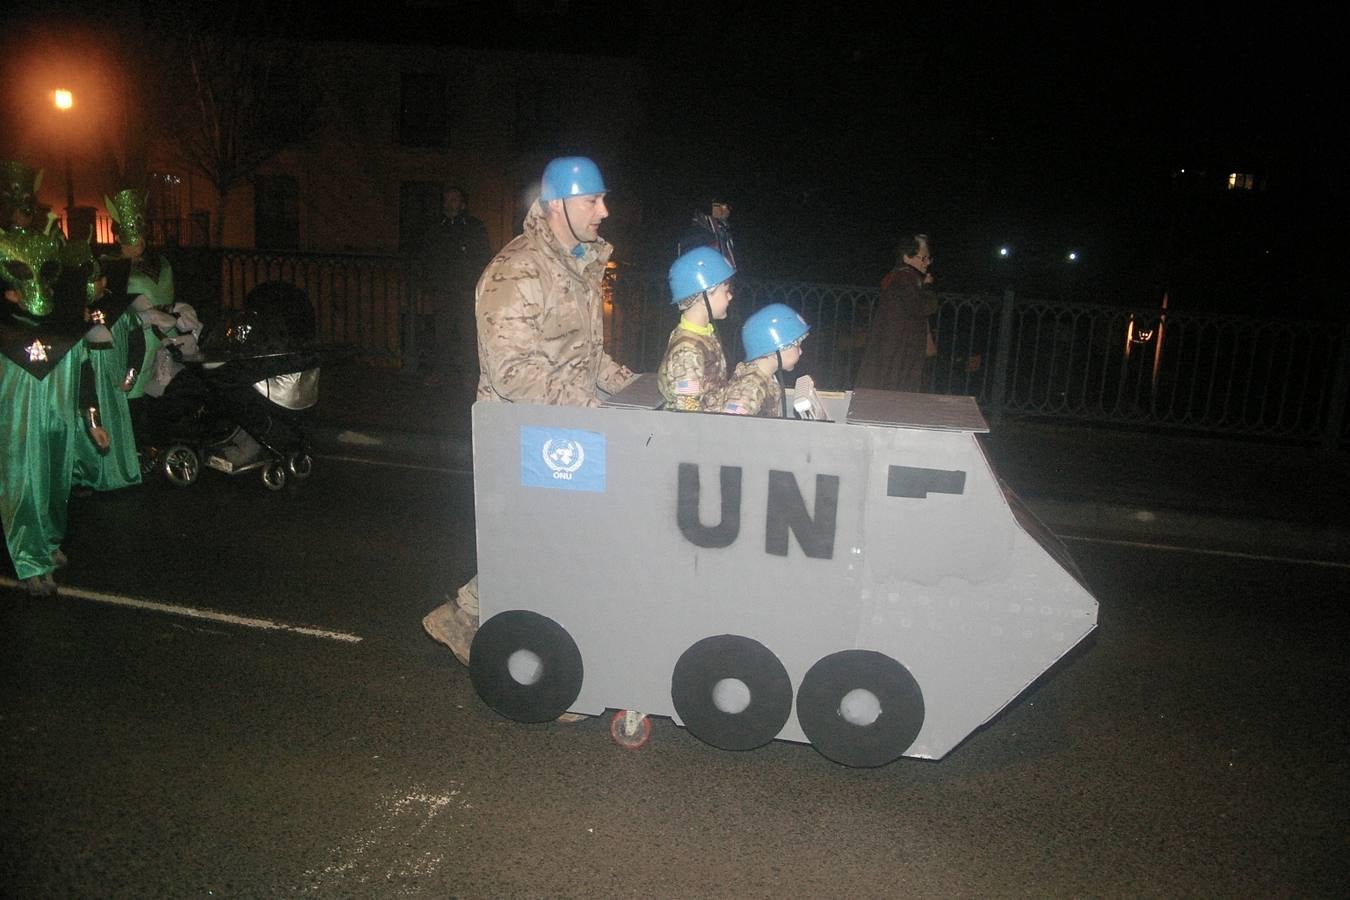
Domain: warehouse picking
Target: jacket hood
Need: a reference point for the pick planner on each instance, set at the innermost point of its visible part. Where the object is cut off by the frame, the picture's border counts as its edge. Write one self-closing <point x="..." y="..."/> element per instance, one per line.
<point x="537" y="230"/>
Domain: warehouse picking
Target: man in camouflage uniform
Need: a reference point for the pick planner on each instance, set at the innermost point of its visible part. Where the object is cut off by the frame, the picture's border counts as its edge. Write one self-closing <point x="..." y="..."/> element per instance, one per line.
<point x="773" y="341"/>
<point x="540" y="329"/>
<point x="693" y="373"/>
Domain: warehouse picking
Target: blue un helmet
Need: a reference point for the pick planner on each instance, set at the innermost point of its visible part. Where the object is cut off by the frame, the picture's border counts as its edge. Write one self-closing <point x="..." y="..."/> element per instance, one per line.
<point x="775" y="327"/>
<point x="570" y="176"/>
<point x="701" y="269"/>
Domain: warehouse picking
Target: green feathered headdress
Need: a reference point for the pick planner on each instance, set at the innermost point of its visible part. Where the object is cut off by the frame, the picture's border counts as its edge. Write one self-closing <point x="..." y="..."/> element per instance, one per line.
<point x="127" y="209"/>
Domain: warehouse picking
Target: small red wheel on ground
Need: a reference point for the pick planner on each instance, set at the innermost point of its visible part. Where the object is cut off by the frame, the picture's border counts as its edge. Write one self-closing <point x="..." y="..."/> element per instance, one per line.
<point x="630" y="729"/>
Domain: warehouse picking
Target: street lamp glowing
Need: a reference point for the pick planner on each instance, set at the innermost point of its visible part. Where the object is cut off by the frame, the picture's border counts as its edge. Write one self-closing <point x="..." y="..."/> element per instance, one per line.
<point x="64" y="100"/>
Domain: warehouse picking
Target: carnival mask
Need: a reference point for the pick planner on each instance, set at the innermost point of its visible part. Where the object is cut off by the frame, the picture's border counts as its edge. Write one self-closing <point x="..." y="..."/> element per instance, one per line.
<point x="30" y="265"/>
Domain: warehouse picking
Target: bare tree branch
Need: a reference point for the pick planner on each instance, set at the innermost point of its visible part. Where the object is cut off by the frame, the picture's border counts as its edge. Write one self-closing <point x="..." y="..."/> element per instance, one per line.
<point x="236" y="95"/>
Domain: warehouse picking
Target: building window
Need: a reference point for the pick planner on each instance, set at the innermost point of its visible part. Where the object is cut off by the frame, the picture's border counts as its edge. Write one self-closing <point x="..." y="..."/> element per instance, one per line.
<point x="276" y="212"/>
<point x="419" y="207"/>
<point x="424" y="111"/>
<point x="1238" y="181"/>
<point x="536" y="121"/>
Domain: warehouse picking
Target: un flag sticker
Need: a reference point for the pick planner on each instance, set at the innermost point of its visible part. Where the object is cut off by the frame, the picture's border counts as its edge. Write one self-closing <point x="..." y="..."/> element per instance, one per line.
<point x="561" y="458"/>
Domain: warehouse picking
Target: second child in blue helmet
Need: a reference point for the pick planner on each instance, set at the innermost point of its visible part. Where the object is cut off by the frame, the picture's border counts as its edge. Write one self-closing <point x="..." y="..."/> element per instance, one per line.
<point x="773" y="339"/>
<point x="693" y="373"/>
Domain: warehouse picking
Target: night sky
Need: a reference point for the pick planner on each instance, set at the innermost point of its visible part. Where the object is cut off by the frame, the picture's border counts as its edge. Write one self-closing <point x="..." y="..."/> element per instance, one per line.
<point x="834" y="130"/>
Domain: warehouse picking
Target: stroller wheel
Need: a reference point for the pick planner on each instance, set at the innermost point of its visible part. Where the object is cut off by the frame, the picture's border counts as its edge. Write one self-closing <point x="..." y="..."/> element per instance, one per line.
<point x="274" y="476"/>
<point x="301" y="465"/>
<point x="181" y="465"/>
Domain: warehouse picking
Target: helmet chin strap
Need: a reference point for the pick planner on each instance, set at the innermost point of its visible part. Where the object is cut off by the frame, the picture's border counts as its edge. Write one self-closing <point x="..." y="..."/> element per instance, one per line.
<point x="708" y="306"/>
<point x="578" y="249"/>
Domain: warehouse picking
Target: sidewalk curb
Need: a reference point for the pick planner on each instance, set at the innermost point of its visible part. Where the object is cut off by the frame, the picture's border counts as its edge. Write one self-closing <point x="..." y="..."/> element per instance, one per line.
<point x="1066" y="517"/>
<point x="384" y="445"/>
<point x="1070" y="518"/>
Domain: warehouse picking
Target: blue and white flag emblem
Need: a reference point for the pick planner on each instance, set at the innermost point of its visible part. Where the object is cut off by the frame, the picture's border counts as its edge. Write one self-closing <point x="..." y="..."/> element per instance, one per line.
<point x="562" y="458"/>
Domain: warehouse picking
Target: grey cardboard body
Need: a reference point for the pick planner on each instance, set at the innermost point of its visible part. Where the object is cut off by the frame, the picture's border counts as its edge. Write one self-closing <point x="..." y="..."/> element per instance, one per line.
<point x="642" y="532"/>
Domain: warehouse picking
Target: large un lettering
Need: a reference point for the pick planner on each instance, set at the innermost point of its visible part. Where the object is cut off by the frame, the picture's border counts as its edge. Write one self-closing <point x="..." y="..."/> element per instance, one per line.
<point x="786" y="512"/>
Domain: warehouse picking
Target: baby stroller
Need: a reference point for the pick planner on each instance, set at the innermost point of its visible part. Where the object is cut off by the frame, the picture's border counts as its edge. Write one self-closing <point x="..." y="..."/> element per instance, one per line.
<point x="240" y="405"/>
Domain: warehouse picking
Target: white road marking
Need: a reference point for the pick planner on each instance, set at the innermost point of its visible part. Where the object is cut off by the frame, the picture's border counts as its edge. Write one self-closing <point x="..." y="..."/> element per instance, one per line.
<point x="1178" y="548"/>
<point x="195" y="613"/>
<point x="395" y="852"/>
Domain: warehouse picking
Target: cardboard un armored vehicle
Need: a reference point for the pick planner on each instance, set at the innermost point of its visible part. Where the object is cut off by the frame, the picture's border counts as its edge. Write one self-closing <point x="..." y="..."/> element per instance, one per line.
<point x="864" y="584"/>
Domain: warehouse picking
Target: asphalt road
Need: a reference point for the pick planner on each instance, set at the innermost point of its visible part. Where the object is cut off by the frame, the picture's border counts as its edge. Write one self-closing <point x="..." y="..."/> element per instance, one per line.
<point x="1190" y="749"/>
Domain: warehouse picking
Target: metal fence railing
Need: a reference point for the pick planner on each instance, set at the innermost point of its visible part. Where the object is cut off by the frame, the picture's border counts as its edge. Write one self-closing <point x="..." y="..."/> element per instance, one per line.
<point x="1274" y="378"/>
<point x="1186" y="370"/>
<point x="192" y="230"/>
<point x="359" y="301"/>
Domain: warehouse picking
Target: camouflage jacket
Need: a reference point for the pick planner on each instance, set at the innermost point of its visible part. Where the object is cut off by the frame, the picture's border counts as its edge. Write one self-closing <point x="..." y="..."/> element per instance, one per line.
<point x="540" y="325"/>
<point x="752" y="393"/>
<point x="693" y="373"/>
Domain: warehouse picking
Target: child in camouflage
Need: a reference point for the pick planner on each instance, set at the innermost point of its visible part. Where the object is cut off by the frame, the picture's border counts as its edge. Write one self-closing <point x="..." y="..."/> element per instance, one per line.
<point x="693" y="373"/>
<point x="773" y="341"/>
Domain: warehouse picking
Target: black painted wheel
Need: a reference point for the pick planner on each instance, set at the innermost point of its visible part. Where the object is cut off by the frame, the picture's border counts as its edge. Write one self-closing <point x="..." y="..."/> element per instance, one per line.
<point x="751" y="670"/>
<point x="880" y="681"/>
<point x="543" y="679"/>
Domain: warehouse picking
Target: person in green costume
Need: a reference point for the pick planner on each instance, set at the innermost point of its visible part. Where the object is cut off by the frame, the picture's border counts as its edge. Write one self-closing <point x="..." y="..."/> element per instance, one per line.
<point x="48" y="405"/>
<point x="149" y="285"/>
<point x="107" y="311"/>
